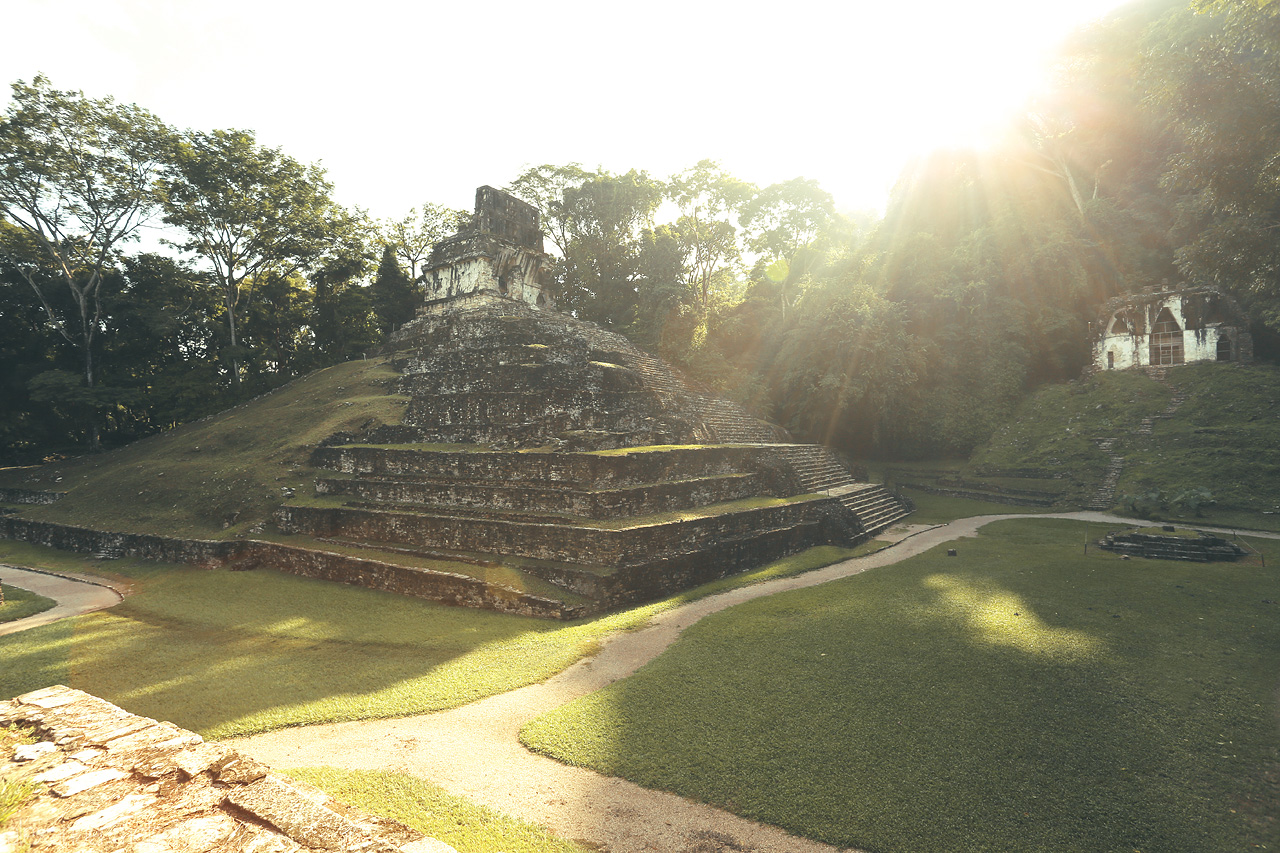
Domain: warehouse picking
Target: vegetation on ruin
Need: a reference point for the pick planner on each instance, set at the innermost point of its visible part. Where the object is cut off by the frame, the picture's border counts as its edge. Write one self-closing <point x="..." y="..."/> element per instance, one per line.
<point x="233" y="653"/>
<point x="19" y="603"/>
<point x="1019" y="696"/>
<point x="464" y="826"/>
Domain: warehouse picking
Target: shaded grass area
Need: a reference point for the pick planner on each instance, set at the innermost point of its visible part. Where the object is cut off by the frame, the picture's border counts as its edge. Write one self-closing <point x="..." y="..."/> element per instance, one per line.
<point x="940" y="509"/>
<point x="1053" y="429"/>
<point x="233" y="653"/>
<point x="1018" y="697"/>
<point x="19" y="603"/>
<point x="466" y="827"/>
<point x="221" y="476"/>
<point x="1225" y="438"/>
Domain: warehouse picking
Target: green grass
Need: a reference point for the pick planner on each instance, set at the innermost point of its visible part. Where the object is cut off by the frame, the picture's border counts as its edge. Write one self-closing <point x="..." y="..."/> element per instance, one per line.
<point x="466" y="827"/>
<point x="1017" y="697"/>
<point x="19" y="603"/>
<point x="219" y="477"/>
<point x="1225" y="438"/>
<point x="233" y="653"/>
<point x="940" y="509"/>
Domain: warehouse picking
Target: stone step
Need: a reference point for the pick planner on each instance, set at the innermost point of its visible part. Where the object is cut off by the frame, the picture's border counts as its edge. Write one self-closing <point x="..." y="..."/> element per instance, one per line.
<point x="641" y="544"/>
<point x="559" y="499"/>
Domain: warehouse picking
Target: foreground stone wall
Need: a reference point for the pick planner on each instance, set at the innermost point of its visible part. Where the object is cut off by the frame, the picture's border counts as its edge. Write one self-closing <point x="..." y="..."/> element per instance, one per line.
<point x="106" y="780"/>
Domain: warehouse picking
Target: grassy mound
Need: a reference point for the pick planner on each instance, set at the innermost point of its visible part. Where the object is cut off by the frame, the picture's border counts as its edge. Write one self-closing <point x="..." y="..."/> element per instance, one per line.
<point x="1223" y="439"/>
<point x="1020" y="696"/>
<point x="221" y="476"/>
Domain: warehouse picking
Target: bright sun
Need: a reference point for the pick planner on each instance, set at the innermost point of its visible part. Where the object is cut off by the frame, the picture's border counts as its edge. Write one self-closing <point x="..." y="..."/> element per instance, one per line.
<point x="425" y="102"/>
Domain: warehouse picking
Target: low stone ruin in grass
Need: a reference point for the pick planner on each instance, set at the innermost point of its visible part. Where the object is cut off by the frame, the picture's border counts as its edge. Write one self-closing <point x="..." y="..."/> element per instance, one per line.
<point x="1170" y="543"/>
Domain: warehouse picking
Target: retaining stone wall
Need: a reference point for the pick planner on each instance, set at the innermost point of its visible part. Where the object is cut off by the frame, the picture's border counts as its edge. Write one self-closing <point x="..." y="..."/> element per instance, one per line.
<point x="613" y="503"/>
<point x="564" y="543"/>
<point x="443" y="587"/>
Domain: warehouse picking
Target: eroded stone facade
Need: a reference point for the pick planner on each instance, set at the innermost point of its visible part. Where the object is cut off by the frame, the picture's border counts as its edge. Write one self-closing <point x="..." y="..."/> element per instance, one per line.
<point x="497" y="253"/>
<point x="1164" y="328"/>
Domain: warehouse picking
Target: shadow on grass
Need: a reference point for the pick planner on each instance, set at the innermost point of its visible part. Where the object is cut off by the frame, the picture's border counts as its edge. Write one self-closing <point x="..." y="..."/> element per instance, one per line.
<point x="227" y="653"/>
<point x="233" y="653"/>
<point x="1018" y="696"/>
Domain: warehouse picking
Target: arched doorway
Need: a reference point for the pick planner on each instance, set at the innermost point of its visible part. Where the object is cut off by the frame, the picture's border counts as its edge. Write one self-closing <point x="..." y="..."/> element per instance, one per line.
<point x="1166" y="339"/>
<point x="1224" y="348"/>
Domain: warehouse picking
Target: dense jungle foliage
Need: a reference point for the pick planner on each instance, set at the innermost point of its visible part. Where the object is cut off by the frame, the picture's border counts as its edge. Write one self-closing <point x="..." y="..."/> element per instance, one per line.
<point x="1155" y="158"/>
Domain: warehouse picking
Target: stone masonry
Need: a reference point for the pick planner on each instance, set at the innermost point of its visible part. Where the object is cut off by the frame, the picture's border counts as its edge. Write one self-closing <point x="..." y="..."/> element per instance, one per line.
<point x="101" y="779"/>
<point x="535" y="439"/>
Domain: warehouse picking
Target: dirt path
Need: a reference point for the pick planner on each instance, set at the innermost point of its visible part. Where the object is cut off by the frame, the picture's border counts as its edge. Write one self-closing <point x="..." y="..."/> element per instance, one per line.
<point x="74" y="596"/>
<point x="474" y="751"/>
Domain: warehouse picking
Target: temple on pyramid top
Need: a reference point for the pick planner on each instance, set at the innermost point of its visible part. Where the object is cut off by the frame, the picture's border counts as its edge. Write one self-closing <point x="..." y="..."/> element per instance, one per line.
<point x="497" y="254"/>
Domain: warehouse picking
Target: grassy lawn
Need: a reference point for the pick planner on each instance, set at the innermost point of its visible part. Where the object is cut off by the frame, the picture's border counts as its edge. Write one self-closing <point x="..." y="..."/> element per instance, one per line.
<point x="1017" y="697"/>
<point x="19" y="603"/>
<point x="232" y="653"/>
<point x="466" y="827"/>
<point x="940" y="509"/>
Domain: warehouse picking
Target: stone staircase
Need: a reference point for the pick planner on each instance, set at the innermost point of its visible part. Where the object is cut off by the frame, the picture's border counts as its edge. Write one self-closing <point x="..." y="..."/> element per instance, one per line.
<point x="1105" y="497"/>
<point x="818" y="470"/>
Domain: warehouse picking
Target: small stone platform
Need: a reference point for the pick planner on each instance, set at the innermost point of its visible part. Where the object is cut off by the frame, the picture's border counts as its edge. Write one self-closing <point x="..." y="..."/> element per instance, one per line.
<point x="1192" y="545"/>
<point x="103" y="779"/>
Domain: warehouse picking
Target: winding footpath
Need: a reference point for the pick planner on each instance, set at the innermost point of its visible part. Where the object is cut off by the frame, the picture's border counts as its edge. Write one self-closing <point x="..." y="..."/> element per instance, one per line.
<point x="73" y="594"/>
<point x="474" y="751"/>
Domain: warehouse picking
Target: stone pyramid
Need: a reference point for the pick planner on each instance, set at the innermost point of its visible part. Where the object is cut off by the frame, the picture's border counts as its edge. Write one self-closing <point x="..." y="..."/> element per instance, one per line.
<point x="558" y="450"/>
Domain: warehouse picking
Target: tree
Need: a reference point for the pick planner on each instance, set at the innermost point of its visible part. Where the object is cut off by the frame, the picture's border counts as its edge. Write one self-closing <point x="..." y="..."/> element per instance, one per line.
<point x="1217" y="75"/>
<point x="412" y="238"/>
<point x="78" y="178"/>
<point x="603" y="219"/>
<point x="784" y="217"/>
<point x="544" y="187"/>
<point x="708" y="198"/>
<point x="249" y="211"/>
<point x="394" y="297"/>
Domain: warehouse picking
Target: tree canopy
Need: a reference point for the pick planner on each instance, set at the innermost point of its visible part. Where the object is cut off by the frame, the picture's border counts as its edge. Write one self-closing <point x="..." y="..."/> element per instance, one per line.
<point x="1152" y="159"/>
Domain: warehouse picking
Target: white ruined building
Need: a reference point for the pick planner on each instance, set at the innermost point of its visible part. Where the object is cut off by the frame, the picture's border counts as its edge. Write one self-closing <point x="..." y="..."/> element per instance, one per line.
<point x="497" y="254"/>
<point x="1159" y="328"/>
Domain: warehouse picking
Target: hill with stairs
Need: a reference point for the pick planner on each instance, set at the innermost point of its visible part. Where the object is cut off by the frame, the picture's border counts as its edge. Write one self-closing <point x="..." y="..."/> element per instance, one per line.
<point x="1185" y="441"/>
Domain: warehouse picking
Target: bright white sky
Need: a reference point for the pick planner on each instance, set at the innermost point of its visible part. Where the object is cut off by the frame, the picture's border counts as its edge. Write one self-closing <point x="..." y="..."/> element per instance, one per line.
<point x="406" y="102"/>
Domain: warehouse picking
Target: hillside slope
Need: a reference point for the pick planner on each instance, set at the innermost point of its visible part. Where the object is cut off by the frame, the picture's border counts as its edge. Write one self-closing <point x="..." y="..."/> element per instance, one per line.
<point x="1195" y="429"/>
<point x="222" y="476"/>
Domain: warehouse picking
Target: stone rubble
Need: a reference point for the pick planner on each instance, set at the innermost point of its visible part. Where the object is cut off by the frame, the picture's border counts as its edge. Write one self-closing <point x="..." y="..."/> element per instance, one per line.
<point x="106" y="781"/>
